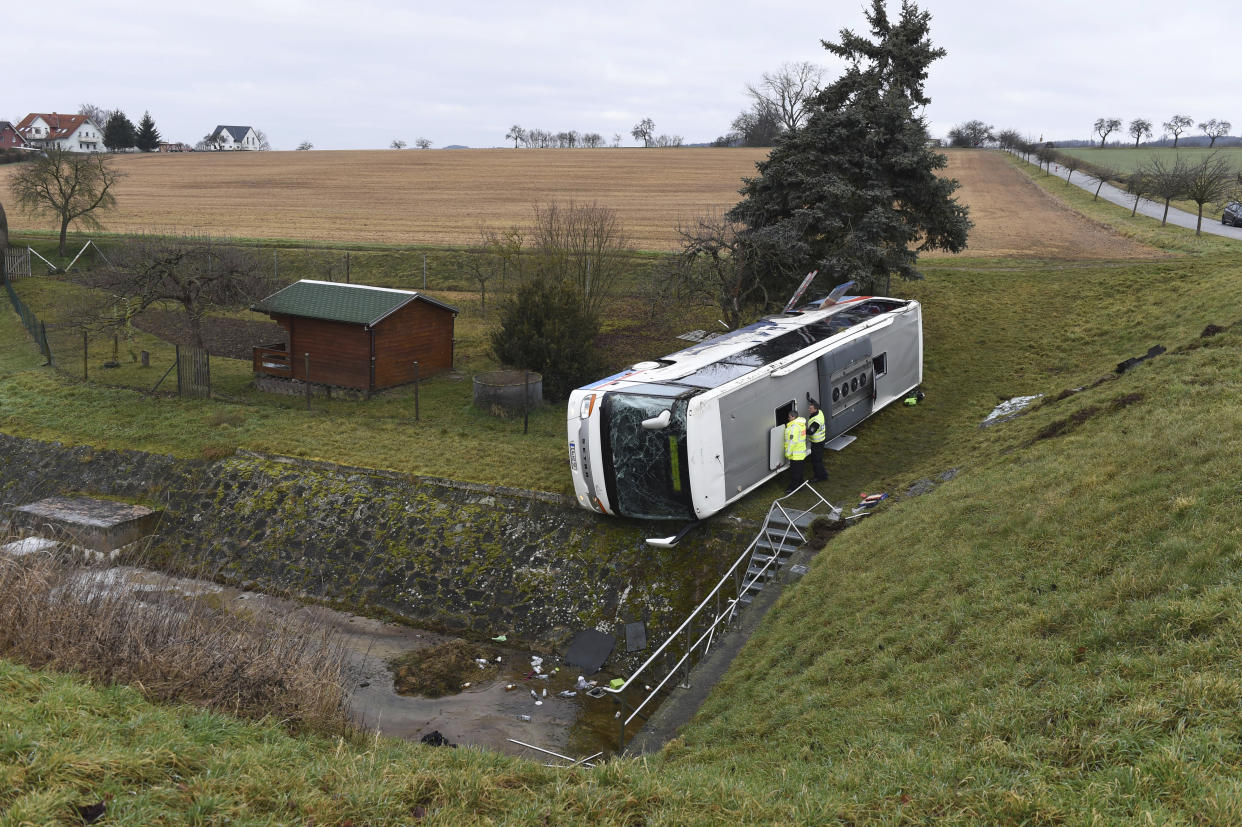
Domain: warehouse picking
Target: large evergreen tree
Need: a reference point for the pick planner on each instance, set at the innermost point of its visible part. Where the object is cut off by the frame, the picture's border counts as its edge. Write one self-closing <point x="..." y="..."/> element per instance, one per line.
<point x="119" y="132"/>
<point x="148" y="137"/>
<point x="854" y="193"/>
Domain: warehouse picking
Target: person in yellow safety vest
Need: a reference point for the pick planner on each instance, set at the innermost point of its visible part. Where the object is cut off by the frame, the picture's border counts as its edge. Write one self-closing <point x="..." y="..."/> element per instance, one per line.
<point x="817" y="432"/>
<point x="795" y="448"/>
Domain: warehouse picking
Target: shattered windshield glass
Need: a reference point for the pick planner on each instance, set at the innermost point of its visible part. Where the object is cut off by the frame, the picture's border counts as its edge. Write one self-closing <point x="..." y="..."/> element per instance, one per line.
<point x="649" y="476"/>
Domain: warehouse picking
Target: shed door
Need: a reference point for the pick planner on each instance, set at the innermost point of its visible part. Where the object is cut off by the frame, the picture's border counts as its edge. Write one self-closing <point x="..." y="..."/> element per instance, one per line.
<point x="846" y="386"/>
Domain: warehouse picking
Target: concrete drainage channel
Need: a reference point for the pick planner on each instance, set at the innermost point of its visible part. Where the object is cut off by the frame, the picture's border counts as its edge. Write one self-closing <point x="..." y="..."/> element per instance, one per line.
<point x="521" y="702"/>
<point x="443" y="559"/>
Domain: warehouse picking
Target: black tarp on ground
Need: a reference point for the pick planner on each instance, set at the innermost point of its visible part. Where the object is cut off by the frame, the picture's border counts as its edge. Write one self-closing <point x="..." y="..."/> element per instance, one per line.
<point x="589" y="649"/>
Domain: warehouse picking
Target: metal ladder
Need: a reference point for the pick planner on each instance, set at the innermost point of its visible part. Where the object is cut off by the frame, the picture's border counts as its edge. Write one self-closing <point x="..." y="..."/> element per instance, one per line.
<point x="784" y="530"/>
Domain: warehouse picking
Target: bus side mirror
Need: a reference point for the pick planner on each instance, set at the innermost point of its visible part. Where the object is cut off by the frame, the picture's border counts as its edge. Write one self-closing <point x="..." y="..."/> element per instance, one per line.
<point x="657" y="423"/>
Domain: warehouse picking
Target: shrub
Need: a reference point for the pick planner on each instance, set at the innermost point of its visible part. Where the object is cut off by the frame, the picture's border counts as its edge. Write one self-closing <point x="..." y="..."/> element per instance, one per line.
<point x="544" y="328"/>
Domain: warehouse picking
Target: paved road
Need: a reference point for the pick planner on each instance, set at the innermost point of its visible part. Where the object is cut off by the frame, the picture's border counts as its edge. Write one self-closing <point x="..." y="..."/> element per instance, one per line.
<point x="1153" y="209"/>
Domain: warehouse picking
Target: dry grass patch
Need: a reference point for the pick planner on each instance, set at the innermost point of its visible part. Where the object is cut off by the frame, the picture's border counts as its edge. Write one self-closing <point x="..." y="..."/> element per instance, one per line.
<point x="172" y="645"/>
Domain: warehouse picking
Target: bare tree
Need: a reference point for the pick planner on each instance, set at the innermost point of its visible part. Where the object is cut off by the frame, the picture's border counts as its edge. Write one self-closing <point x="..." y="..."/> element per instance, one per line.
<point x="643" y="131"/>
<point x="971" y="134"/>
<point x="787" y="91"/>
<point x="668" y="140"/>
<point x="199" y="274"/>
<point x="1177" y="125"/>
<point x="616" y="140"/>
<point x="305" y="146"/>
<point x="263" y="144"/>
<point x="1102" y="173"/>
<point x="709" y="266"/>
<point x="582" y="245"/>
<point x="98" y="115"/>
<point x="1138" y="185"/>
<point x="1071" y="163"/>
<point x="1165" y="179"/>
<point x="422" y="143"/>
<point x="592" y="140"/>
<point x="1139" y="128"/>
<point x="71" y="186"/>
<point x="397" y="144"/>
<point x="515" y="134"/>
<point x="1105" y="127"/>
<point x="1214" y="129"/>
<point x="1207" y="182"/>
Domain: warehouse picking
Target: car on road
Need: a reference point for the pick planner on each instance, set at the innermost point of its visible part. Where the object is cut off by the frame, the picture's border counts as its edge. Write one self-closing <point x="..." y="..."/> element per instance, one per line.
<point x="1233" y="214"/>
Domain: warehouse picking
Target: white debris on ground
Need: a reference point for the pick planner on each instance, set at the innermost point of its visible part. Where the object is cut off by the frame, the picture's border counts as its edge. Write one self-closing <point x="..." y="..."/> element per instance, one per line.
<point x="1008" y="409"/>
<point x="29" y="545"/>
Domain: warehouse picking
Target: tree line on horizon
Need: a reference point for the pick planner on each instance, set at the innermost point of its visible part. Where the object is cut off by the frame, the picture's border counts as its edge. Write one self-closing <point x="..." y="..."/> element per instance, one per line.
<point x="977" y="133"/>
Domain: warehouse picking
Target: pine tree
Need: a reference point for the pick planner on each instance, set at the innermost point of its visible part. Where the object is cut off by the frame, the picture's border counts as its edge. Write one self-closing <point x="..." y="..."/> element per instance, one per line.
<point x="119" y="132"/>
<point x="148" y="137"/>
<point x="850" y="192"/>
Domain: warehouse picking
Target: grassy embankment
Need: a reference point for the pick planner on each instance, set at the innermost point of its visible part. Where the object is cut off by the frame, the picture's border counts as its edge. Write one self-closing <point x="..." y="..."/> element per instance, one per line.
<point x="1050" y="636"/>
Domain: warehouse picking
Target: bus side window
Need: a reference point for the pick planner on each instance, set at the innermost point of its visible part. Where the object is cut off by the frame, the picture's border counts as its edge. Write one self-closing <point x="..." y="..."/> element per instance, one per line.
<point x="782" y="413"/>
<point x="880" y="364"/>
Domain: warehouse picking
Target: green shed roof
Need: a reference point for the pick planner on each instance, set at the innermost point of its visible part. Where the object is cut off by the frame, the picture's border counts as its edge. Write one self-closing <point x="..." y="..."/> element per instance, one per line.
<point x="353" y="303"/>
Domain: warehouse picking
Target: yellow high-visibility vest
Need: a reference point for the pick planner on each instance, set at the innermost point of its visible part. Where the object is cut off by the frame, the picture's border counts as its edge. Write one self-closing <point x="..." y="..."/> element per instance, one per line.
<point x="821" y="433"/>
<point x="795" y="439"/>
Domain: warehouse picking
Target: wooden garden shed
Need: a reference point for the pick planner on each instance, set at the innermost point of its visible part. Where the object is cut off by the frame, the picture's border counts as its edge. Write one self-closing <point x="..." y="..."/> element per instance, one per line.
<point x="355" y="336"/>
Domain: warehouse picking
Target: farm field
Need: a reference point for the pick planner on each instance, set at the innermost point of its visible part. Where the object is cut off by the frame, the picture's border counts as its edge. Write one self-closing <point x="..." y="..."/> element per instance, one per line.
<point x="443" y="197"/>
<point x="1130" y="159"/>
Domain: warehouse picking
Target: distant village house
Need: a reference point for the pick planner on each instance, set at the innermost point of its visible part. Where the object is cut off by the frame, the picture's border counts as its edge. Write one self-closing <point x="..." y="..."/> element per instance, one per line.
<point x="10" y="138"/>
<point x="75" y="133"/>
<point x="233" y="137"/>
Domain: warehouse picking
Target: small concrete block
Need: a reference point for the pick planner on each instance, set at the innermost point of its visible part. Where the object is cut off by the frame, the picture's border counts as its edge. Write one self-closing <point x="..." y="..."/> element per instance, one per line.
<point x="102" y="525"/>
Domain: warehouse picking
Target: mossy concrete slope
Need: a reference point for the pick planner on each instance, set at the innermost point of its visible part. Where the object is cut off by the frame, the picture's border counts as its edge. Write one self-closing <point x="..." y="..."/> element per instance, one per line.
<point x="469" y="558"/>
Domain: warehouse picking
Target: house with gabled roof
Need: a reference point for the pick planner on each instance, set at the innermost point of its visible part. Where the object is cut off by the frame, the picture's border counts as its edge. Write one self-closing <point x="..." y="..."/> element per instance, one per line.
<point x="355" y="335"/>
<point x="10" y="138"/>
<point x="75" y="133"/>
<point x="233" y="137"/>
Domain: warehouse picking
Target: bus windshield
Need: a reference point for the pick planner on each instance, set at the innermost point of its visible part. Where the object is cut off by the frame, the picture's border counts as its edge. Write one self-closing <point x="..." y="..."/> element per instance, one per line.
<point x="648" y="475"/>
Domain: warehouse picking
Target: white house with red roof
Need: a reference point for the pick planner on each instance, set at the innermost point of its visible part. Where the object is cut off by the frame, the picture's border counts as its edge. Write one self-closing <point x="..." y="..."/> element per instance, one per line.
<point x="75" y="133"/>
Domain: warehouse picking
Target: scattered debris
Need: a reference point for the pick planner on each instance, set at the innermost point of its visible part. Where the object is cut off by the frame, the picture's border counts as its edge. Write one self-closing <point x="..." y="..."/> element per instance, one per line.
<point x="436" y="739"/>
<point x="1211" y="330"/>
<point x="868" y="501"/>
<point x="589" y="649"/>
<point x="913" y="399"/>
<point x="1008" y="409"/>
<point x="501" y="638"/>
<point x="439" y="670"/>
<point x="922" y="486"/>
<point x="635" y="636"/>
<point x="1064" y="426"/>
<point x="1154" y="350"/>
<point x="566" y="693"/>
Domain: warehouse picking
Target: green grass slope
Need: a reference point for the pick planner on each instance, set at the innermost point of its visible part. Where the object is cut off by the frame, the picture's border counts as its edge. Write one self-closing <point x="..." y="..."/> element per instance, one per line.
<point x="1050" y="636"/>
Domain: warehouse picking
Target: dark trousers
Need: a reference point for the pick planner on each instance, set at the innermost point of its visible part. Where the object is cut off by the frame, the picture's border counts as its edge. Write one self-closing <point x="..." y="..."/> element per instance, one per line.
<point x="794" y="478"/>
<point x="817" y="461"/>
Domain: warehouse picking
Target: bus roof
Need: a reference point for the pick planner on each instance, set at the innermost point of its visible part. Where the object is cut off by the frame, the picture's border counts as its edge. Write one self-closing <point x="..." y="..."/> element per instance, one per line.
<point x="727" y="357"/>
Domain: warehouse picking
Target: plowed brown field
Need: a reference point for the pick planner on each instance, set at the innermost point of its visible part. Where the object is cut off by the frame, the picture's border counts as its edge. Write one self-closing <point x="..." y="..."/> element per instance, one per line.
<point x="444" y="196"/>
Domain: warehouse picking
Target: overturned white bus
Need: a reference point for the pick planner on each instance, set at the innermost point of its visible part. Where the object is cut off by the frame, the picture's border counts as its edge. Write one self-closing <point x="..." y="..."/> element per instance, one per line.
<point x="686" y="435"/>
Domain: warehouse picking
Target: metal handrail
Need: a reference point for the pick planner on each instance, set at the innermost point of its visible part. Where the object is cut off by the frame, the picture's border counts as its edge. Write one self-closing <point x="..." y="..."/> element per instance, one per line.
<point x="730" y="609"/>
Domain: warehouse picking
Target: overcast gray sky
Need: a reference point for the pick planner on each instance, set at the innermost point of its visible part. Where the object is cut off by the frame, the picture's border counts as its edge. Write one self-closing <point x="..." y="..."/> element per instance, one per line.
<point x="359" y="75"/>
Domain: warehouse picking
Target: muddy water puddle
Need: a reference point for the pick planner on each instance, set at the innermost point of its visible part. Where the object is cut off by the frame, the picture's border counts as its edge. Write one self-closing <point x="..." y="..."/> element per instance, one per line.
<point x="485" y="714"/>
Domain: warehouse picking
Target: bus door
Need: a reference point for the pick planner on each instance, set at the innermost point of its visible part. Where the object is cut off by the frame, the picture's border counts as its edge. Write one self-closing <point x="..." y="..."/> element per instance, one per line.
<point x="846" y="385"/>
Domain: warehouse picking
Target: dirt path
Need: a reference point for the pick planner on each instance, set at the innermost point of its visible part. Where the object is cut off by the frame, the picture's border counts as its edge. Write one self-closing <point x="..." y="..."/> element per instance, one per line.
<point x="1014" y="217"/>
